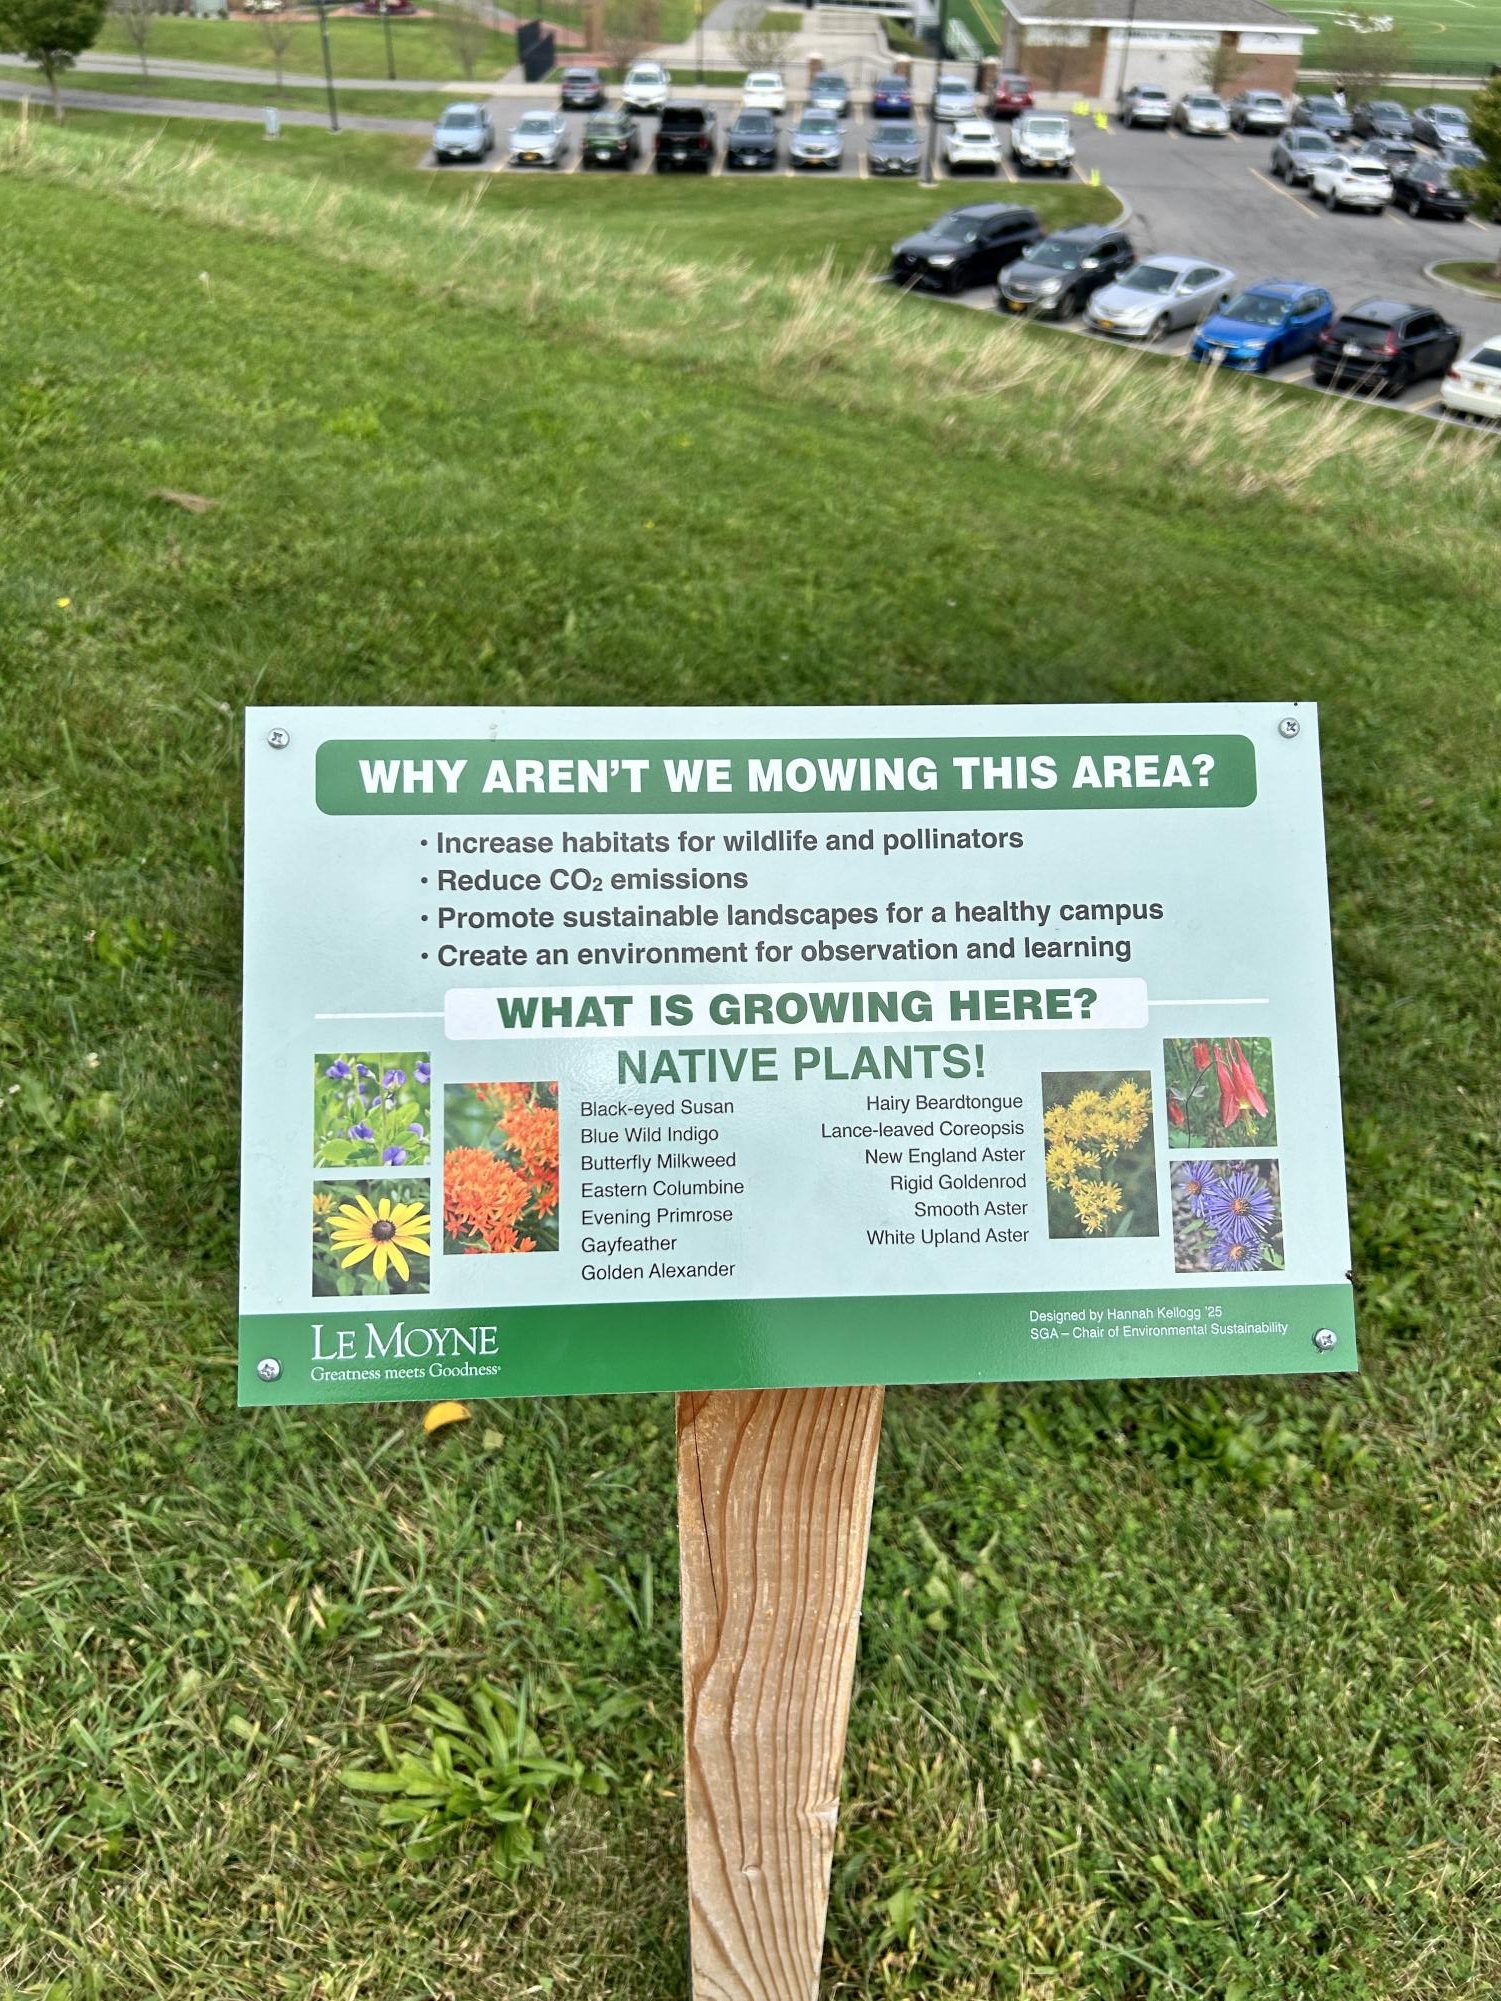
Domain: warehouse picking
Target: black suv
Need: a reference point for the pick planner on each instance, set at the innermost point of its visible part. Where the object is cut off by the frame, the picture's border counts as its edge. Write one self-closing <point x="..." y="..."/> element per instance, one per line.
<point x="968" y="246"/>
<point x="685" y="139"/>
<point x="752" y="140"/>
<point x="1057" y="275"/>
<point x="1384" y="344"/>
<point x="1423" y="187"/>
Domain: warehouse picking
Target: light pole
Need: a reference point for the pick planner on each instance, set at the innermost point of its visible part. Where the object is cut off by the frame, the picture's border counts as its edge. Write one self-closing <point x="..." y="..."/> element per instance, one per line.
<point x="929" y="178"/>
<point x="328" y="66"/>
<point x="700" y="41"/>
<point x="1126" y="48"/>
<point x="385" y="20"/>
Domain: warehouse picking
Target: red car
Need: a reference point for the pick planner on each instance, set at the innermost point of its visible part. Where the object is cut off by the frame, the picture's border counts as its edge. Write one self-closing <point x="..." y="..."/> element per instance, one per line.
<point x="1013" y="94"/>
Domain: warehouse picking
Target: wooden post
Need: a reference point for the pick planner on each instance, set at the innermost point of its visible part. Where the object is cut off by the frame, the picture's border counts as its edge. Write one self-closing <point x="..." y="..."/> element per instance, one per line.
<point x="774" y="1493"/>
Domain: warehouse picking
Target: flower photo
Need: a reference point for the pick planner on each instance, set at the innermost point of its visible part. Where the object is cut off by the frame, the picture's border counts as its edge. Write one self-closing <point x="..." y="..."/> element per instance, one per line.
<point x="1100" y="1160"/>
<point x="372" y="1111"/>
<point x="1219" y="1094"/>
<point x="1227" y="1215"/>
<point x="371" y="1238"/>
<point x="500" y="1169"/>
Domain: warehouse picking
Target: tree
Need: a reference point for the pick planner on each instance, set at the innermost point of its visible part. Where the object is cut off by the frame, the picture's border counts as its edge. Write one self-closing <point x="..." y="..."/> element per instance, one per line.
<point x="278" y="27"/>
<point x="1222" y="66"/>
<point x="626" y="32"/>
<point x="138" y="18"/>
<point x="754" y="42"/>
<point x="1483" y="183"/>
<point x="53" y="34"/>
<point x="1361" y="53"/>
<point x="466" y="32"/>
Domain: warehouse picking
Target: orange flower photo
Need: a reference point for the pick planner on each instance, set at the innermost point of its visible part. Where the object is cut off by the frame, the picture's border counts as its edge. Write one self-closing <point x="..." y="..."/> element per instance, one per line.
<point x="500" y="1169"/>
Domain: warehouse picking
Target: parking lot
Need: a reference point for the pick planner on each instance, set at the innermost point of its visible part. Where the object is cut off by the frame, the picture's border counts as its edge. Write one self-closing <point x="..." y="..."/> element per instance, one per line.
<point x="1213" y="198"/>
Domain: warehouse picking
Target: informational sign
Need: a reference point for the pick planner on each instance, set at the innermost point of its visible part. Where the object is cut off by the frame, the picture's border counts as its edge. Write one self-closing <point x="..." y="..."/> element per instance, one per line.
<point x="635" y="1049"/>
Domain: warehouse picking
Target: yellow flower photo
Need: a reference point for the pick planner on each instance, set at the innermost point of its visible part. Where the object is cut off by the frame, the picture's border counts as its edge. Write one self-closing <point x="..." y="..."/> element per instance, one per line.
<point x="1099" y="1158"/>
<point x="371" y="1237"/>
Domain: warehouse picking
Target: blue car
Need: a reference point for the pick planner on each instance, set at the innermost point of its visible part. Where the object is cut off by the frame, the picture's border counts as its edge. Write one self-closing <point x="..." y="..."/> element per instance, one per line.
<point x="1265" y="324"/>
<point x="891" y="98"/>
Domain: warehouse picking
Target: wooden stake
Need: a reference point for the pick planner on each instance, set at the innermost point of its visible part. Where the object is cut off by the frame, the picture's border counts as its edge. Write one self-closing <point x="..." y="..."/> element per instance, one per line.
<point x="774" y="1492"/>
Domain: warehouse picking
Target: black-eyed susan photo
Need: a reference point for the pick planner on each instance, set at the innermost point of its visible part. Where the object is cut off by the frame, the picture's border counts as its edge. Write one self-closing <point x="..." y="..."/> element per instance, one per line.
<point x="371" y="1238"/>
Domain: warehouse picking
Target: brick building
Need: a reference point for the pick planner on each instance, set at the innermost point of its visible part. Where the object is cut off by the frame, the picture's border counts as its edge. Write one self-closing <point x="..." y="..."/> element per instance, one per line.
<point x="1097" y="51"/>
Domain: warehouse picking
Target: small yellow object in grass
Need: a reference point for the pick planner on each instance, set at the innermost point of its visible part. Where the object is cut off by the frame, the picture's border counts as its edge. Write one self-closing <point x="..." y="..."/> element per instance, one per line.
<point x="445" y="1413"/>
<point x="63" y="603"/>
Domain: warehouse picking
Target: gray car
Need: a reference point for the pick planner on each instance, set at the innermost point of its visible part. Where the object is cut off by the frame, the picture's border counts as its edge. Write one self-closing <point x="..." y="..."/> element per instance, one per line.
<point x="464" y="132"/>
<point x="1298" y="152"/>
<point x="894" y="149"/>
<point x="1382" y="118"/>
<point x="1158" y="295"/>
<point x="829" y="92"/>
<point x="1202" y="115"/>
<point x="1258" y="111"/>
<point x="817" y="141"/>
<point x="1144" y="104"/>
<point x="540" y="139"/>
<point x="1323" y="114"/>
<point x="1439" y="125"/>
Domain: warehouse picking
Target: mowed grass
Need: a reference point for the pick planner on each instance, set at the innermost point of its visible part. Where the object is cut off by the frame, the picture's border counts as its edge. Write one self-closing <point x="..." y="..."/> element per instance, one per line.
<point x="419" y="104"/>
<point x="1163" y="1690"/>
<point x="424" y="52"/>
<point x="1447" y="37"/>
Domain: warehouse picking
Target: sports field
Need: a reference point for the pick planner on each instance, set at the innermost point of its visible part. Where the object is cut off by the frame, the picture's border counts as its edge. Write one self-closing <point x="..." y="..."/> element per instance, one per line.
<point x="1448" y="37"/>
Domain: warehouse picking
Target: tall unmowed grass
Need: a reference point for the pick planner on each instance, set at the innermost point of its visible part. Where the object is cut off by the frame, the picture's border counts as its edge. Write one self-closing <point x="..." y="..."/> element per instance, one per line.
<point x="814" y="334"/>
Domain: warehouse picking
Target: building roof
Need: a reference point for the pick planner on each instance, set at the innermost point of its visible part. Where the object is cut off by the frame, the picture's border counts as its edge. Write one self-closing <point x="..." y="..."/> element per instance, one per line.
<point x="1148" y="14"/>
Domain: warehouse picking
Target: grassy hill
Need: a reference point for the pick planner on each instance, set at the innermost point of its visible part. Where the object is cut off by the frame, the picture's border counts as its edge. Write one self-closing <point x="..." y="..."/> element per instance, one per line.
<point x="1164" y="1690"/>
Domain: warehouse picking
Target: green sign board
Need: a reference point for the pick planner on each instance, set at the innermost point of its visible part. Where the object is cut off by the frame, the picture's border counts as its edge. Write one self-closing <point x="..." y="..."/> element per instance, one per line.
<point x="636" y="1049"/>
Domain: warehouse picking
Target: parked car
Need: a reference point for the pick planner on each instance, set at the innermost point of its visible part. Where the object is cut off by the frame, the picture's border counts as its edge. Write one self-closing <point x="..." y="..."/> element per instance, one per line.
<point x="1439" y="125"/>
<point x="1472" y="387"/>
<point x="1258" y="111"/>
<point x="817" y="140"/>
<point x="1323" y="114"/>
<point x="1202" y="115"/>
<point x="1159" y="294"/>
<point x="1265" y="324"/>
<point x="1055" y="277"/>
<point x="829" y="91"/>
<point x="464" y="132"/>
<point x="1144" y="104"/>
<point x="1462" y="153"/>
<point x="1011" y="97"/>
<point x="752" y="140"/>
<point x="1351" y="181"/>
<point x="1385" y="344"/>
<point x="764" y="91"/>
<point x="582" y="88"/>
<point x="1042" y="140"/>
<point x="972" y="145"/>
<point x="891" y="98"/>
<point x="953" y="98"/>
<point x="1382" y="118"/>
<point x="611" y="139"/>
<point x="968" y="246"/>
<point x="894" y="149"/>
<point x="1297" y="153"/>
<point x="1392" y="153"/>
<point x="686" y="139"/>
<point x="645" y="88"/>
<point x="1425" y="187"/>
<point x="540" y="139"/>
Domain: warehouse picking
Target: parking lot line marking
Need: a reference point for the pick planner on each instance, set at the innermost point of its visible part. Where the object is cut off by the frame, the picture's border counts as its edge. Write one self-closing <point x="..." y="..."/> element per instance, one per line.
<point x="1428" y="403"/>
<point x="860" y="166"/>
<point x="1277" y="188"/>
<point x="1473" y="223"/>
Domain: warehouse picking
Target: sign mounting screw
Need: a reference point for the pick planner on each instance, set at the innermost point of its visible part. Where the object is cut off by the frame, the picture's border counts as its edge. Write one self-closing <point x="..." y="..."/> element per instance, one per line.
<point x="280" y="738"/>
<point x="1289" y="727"/>
<point x="268" y="1369"/>
<point x="1325" y="1339"/>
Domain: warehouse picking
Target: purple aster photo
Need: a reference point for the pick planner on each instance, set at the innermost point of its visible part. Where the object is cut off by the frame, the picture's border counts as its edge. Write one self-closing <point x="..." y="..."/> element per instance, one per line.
<point x="1229" y="1254"/>
<point x="1195" y="1178"/>
<point x="1241" y="1207"/>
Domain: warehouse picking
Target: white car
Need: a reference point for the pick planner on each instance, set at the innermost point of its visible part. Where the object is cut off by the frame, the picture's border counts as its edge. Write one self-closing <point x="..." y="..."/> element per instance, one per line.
<point x="953" y="99"/>
<point x="645" y="88"/>
<point x="764" y="91"/>
<point x="1042" y="140"/>
<point x="973" y="143"/>
<point x="1354" y="181"/>
<point x="540" y="139"/>
<point x="1473" y="384"/>
<point x="1202" y="115"/>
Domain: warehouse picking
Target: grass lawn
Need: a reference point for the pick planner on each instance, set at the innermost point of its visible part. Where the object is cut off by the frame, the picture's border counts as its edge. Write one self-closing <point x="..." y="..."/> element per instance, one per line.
<point x="1476" y="274"/>
<point x="1164" y="1691"/>
<point x="365" y="103"/>
<point x="423" y="49"/>
<point x="1448" y="37"/>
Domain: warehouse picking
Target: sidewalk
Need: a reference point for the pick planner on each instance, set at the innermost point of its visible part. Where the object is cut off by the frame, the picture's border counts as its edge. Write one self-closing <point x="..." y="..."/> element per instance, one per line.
<point x="187" y="107"/>
<point x="242" y="73"/>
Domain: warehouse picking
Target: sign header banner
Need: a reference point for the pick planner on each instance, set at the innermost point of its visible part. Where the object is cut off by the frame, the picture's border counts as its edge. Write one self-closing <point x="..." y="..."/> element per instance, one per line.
<point x="599" y="1050"/>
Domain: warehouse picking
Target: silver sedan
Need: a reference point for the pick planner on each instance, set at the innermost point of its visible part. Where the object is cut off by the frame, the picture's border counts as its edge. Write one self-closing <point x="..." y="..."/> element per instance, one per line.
<point x="540" y="139"/>
<point x="1159" y="294"/>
